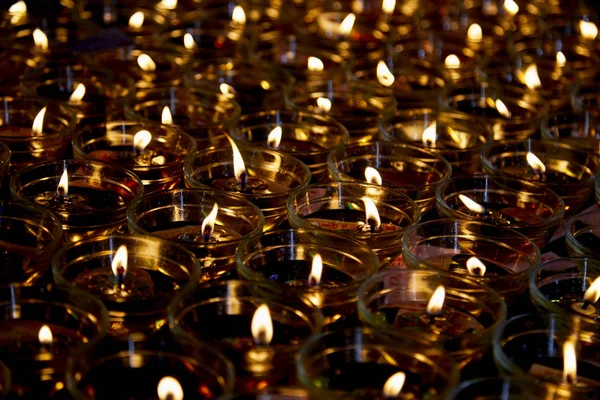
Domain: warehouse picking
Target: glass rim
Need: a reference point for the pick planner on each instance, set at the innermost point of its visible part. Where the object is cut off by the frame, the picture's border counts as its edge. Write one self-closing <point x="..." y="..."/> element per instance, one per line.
<point x="572" y="240"/>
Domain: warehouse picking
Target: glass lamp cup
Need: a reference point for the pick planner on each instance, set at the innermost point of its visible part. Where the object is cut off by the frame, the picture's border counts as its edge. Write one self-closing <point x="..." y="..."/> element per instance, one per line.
<point x="28" y="146"/>
<point x="559" y="285"/>
<point x="570" y="172"/>
<point x="137" y="299"/>
<point x="273" y="393"/>
<point x="272" y="176"/>
<point x="339" y="206"/>
<point x="530" y="209"/>
<point x="74" y="319"/>
<point x="411" y="170"/>
<point x="532" y="345"/>
<point x="395" y="301"/>
<point x="15" y="59"/>
<point x="31" y="236"/>
<point x="159" y="165"/>
<point x="206" y="116"/>
<point x="448" y="244"/>
<point x="94" y="203"/>
<point x="221" y="314"/>
<point x="201" y="371"/>
<point x="304" y="135"/>
<point x="582" y="234"/>
<point x="460" y="137"/>
<point x="356" y="105"/>
<point x="178" y="215"/>
<point x="577" y="129"/>
<point x="510" y="388"/>
<point x="285" y="258"/>
<point x="356" y="363"/>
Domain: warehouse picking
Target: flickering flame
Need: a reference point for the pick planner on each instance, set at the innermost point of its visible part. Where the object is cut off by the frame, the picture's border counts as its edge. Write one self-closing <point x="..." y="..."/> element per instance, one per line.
<point x="347" y="24"/>
<point x="452" y="61"/>
<point x="371" y="213"/>
<point x="136" y="20"/>
<point x="316" y="271"/>
<point x="63" y="184"/>
<point x="532" y="79"/>
<point x="18" y="8"/>
<point x="388" y="6"/>
<point x="274" y="138"/>
<point x="475" y="34"/>
<point x="188" y="41"/>
<point x="40" y="39"/>
<point x="262" y="326"/>
<point x="141" y="140"/>
<point x="384" y="75"/>
<point x="239" y="167"/>
<point x="476" y="267"/>
<point x="45" y="335"/>
<point x="436" y="303"/>
<point x="593" y="293"/>
<point x="146" y="63"/>
<point x="208" y="225"/>
<point x="373" y="176"/>
<point x="569" y="363"/>
<point x="226" y="89"/>
<point x="120" y="260"/>
<point x="78" y="93"/>
<point x="471" y="204"/>
<point x="535" y="163"/>
<point x="429" y="136"/>
<point x="502" y="109"/>
<point x="589" y="30"/>
<point x="167" y="4"/>
<point x="561" y="59"/>
<point x="393" y="386"/>
<point x="166" y="117"/>
<point x="38" y="122"/>
<point x="238" y="16"/>
<point x="511" y="7"/>
<point x="315" y="64"/>
<point x="169" y="388"/>
<point x="324" y="104"/>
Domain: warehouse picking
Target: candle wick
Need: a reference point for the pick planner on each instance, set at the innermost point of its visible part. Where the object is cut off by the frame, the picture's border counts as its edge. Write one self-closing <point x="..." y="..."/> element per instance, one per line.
<point x="372" y="224"/>
<point x="431" y="319"/>
<point x="121" y="275"/>
<point x="585" y="305"/>
<point x="243" y="180"/>
<point x="312" y="282"/>
<point x="207" y="233"/>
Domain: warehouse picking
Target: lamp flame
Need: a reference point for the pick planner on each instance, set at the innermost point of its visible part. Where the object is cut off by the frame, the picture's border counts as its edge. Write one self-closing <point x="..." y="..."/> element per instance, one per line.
<point x="167" y="4"/>
<point x="561" y="59"/>
<point x="429" y="136"/>
<point x="166" y="117"/>
<point x="324" y="104"/>
<point x="436" y="303"/>
<point x="238" y="16"/>
<point x="18" y="8"/>
<point x="119" y="262"/>
<point x="274" y="138"/>
<point x="136" y="20"/>
<point x="146" y="63"/>
<point x="315" y="64"/>
<point x="589" y="30"/>
<point x="141" y="140"/>
<point x="535" y="163"/>
<point x="226" y="89"/>
<point x="239" y="167"/>
<point x="347" y="24"/>
<point x="208" y="225"/>
<point x="45" y="335"/>
<point x="384" y="75"/>
<point x="502" y="109"/>
<point x="38" y="122"/>
<point x="569" y="363"/>
<point x="373" y="176"/>
<point x="476" y="267"/>
<point x="511" y="7"/>
<point x="78" y="94"/>
<point x="452" y="61"/>
<point x="471" y="204"/>
<point x="532" y="79"/>
<point x="262" y="326"/>
<point x="475" y="34"/>
<point x="393" y="386"/>
<point x="593" y="293"/>
<point x="40" y="39"/>
<point x="316" y="271"/>
<point x="63" y="184"/>
<point x="371" y="213"/>
<point x="388" y="6"/>
<point x="169" y="388"/>
<point x="188" y="41"/>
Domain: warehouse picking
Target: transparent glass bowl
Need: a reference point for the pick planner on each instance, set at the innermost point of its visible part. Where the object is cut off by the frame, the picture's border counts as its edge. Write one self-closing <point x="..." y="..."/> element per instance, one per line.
<point x="582" y="234"/>
<point x="510" y="387"/>
<point x="577" y="129"/>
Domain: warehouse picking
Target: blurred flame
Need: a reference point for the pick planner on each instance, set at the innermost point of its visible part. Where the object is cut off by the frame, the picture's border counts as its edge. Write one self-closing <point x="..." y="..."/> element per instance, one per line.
<point x="324" y="104"/>
<point x="141" y="140"/>
<point x="388" y="6"/>
<point x="45" y="335"/>
<point x="239" y="167"/>
<point x="471" y="205"/>
<point x="209" y="221"/>
<point x="384" y="75"/>
<point x="262" y="326"/>
<point x="226" y="89"/>
<point x="146" y="63"/>
<point x="38" y="122"/>
<point x="63" y="184"/>
<point x="169" y="388"/>
<point x="371" y="212"/>
<point x="502" y="109"/>
<point x="167" y="4"/>
<point x="373" y="176"/>
<point x="475" y="34"/>
<point x="589" y="30"/>
<point x="561" y="59"/>
<point x="476" y="267"/>
<point x="570" y="362"/>
<point x="136" y="20"/>
<point x="238" y="16"/>
<point x="120" y="260"/>
<point x="393" y="385"/>
<point x="315" y="64"/>
<point x="452" y="61"/>
<point x="188" y="41"/>
<point x="78" y="93"/>
<point x="511" y="7"/>
<point x="274" y="138"/>
<point x="429" y="136"/>
<point x="347" y="24"/>
<point x="18" y="8"/>
<point x="436" y="303"/>
<point x="532" y="79"/>
<point x="40" y="39"/>
<point x="535" y="163"/>
<point x="166" y="117"/>
<point x="314" y="279"/>
<point x="593" y="293"/>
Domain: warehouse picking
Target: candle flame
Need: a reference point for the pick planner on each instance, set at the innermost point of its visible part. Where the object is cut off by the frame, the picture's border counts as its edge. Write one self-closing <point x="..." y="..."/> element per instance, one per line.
<point x="532" y="79"/>
<point x="502" y="109"/>
<point x="238" y="16"/>
<point x="274" y="138"/>
<point x="169" y="388"/>
<point x="394" y="384"/>
<point x="45" y="335"/>
<point x="315" y="64"/>
<point x="511" y="7"/>
<point x="38" y="122"/>
<point x="208" y="225"/>
<point x="166" y="117"/>
<point x="384" y="75"/>
<point x="167" y="4"/>
<point x="40" y="39"/>
<point x="324" y="104"/>
<point x="452" y="61"/>
<point x="476" y="267"/>
<point x="63" y="184"/>
<point x="589" y="30"/>
<point x="18" y="8"/>
<point x="347" y="24"/>
<point x="188" y="41"/>
<point x="262" y="326"/>
<point x="535" y="163"/>
<point x="239" y="167"/>
<point x="561" y="59"/>
<point x="141" y="140"/>
<point x="120" y="260"/>
<point x="371" y="213"/>
<point x="316" y="271"/>
<point x="146" y="63"/>
<point x="136" y="20"/>
<point x="592" y="294"/>
<point x="471" y="204"/>
<point x="429" y="136"/>
<point x="475" y="34"/>
<point x="373" y="176"/>
<point x="436" y="303"/>
<point x="226" y="89"/>
<point x="388" y="6"/>
<point x="78" y="93"/>
<point x="570" y="363"/>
